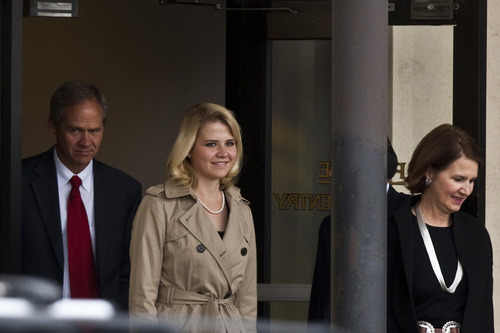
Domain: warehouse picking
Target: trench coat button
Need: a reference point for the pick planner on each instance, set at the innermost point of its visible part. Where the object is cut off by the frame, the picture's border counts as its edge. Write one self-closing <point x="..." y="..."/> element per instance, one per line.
<point x="244" y="251"/>
<point x="201" y="248"/>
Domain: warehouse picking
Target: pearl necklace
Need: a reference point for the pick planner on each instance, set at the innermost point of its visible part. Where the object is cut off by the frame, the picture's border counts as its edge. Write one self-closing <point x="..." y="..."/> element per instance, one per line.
<point x="215" y="211"/>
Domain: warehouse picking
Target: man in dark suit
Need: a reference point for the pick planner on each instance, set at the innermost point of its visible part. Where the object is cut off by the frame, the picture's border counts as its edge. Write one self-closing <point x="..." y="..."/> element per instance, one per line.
<point x="110" y="197"/>
<point x="319" y="305"/>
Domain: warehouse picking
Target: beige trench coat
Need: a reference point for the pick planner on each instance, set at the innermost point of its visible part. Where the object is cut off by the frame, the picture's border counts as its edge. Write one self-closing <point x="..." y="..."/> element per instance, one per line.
<point x="183" y="273"/>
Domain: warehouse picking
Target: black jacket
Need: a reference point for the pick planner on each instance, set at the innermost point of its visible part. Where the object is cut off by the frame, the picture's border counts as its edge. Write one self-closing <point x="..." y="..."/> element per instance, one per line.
<point x="475" y="252"/>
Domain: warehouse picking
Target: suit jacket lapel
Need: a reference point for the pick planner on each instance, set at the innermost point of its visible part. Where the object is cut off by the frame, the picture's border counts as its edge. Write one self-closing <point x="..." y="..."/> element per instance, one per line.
<point x="103" y="207"/>
<point x="407" y="240"/>
<point x="46" y="193"/>
<point x="392" y="197"/>
<point x="463" y="244"/>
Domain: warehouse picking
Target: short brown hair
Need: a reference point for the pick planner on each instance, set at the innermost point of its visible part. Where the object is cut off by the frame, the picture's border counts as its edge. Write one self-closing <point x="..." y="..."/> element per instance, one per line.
<point x="437" y="150"/>
<point x="74" y="92"/>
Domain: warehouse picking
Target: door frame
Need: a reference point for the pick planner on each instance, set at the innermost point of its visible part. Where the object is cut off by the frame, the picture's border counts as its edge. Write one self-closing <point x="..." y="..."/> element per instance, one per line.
<point x="247" y="81"/>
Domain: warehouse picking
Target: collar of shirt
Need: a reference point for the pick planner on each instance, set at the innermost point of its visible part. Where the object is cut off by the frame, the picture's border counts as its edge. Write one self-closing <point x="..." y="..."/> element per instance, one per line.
<point x="64" y="174"/>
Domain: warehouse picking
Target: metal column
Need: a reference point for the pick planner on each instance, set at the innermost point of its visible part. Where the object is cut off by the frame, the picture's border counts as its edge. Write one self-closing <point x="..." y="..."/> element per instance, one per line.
<point x="359" y="149"/>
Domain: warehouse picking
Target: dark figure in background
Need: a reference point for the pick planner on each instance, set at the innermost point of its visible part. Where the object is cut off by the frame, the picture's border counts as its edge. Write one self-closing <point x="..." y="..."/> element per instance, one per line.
<point x="110" y="198"/>
<point x="440" y="260"/>
<point x="319" y="305"/>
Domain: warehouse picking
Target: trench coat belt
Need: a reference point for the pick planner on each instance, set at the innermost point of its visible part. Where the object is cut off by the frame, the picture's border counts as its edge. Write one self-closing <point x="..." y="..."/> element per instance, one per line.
<point x="173" y="296"/>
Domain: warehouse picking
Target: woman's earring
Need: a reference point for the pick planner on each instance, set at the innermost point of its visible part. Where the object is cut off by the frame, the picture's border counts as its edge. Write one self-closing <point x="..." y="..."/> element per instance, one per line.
<point x="428" y="182"/>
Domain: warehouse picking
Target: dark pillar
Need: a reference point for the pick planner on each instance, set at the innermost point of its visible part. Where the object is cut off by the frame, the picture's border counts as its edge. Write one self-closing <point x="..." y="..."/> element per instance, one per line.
<point x="359" y="138"/>
<point x="10" y="134"/>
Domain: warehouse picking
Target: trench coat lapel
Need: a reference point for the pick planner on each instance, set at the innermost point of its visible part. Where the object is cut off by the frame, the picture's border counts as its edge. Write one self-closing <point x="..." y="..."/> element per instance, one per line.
<point x="47" y="200"/>
<point x="236" y="228"/>
<point x="234" y="237"/>
<point x="196" y="221"/>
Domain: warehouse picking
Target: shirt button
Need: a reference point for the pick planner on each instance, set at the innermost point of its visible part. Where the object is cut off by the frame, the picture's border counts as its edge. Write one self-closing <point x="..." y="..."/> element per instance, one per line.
<point x="201" y="248"/>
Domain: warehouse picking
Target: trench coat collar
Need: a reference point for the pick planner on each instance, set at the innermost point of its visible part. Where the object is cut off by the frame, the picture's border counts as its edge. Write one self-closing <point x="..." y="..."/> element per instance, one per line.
<point x="173" y="190"/>
<point x="236" y="227"/>
<point x="196" y="221"/>
<point x="194" y="218"/>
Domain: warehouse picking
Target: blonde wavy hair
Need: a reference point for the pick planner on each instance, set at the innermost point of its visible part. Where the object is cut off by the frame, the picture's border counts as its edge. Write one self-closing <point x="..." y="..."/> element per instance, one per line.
<point x="179" y="167"/>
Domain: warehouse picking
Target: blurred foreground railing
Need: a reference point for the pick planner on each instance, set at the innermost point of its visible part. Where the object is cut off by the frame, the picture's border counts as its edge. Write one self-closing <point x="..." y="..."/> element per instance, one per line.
<point x="29" y="305"/>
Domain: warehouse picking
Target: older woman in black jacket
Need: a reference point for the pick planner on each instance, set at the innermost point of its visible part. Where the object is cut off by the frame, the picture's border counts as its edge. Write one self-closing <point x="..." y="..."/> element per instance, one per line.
<point x="440" y="259"/>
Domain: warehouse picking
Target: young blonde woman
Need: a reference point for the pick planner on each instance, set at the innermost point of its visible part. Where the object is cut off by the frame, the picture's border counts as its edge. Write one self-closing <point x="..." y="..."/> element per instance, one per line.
<point x="193" y="256"/>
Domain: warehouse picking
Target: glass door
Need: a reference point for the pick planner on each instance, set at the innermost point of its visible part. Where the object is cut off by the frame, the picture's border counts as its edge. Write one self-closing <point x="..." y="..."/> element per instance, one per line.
<point x="300" y="132"/>
<point x="300" y="84"/>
